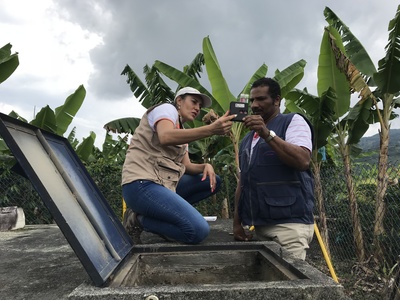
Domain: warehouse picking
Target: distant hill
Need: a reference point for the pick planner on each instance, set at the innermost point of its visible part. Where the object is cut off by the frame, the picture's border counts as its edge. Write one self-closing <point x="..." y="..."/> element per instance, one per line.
<point x="370" y="147"/>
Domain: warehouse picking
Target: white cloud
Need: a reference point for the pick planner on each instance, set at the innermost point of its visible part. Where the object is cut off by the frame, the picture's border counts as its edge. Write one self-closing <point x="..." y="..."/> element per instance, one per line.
<point x="53" y="50"/>
<point x="53" y="54"/>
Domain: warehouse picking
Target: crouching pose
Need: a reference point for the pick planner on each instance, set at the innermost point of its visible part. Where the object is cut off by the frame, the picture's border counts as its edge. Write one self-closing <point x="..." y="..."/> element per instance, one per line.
<point x="159" y="182"/>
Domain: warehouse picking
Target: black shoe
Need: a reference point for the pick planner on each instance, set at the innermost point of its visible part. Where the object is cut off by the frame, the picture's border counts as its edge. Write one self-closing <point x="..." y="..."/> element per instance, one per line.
<point x="132" y="225"/>
<point x="167" y="239"/>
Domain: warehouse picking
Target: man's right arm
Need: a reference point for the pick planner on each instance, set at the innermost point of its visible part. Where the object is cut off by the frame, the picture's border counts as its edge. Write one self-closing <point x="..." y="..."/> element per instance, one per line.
<point x="238" y="231"/>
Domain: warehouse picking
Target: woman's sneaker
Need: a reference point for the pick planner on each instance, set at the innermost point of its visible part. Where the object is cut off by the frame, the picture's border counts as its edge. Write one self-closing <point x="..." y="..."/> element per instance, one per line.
<point x="132" y="225"/>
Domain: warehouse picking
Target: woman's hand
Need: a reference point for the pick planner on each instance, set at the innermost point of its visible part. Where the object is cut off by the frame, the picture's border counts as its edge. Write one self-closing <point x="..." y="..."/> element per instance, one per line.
<point x="209" y="171"/>
<point x="223" y="124"/>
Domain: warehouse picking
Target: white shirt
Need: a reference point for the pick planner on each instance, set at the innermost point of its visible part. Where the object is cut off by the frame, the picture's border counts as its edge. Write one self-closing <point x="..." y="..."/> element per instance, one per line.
<point x="162" y="112"/>
<point x="298" y="133"/>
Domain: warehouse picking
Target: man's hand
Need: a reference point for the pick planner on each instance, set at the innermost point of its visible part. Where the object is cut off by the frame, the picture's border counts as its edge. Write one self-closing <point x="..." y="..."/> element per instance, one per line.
<point x="240" y="234"/>
<point x="256" y="123"/>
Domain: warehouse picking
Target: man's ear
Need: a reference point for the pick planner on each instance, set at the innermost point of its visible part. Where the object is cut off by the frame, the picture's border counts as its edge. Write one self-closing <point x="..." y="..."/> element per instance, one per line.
<point x="277" y="101"/>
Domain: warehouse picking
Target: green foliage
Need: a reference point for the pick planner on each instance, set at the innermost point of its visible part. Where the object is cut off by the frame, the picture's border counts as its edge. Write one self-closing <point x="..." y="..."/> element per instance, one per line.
<point x="45" y="119"/>
<point x="156" y="91"/>
<point x="17" y="116"/>
<point x="8" y="62"/>
<point x="290" y="77"/>
<point x="260" y="73"/>
<point x="58" y="121"/>
<point x="329" y="76"/>
<point x="387" y="80"/>
<point x="123" y="125"/>
<point x="358" y="117"/>
<point x="370" y="148"/>
<point x="319" y="110"/>
<point x="114" y="150"/>
<point x="65" y="113"/>
<point x="352" y="46"/>
<point x="352" y="60"/>
<point x="219" y="86"/>
<point x="388" y="76"/>
<point x="153" y="92"/>
<point x="84" y="150"/>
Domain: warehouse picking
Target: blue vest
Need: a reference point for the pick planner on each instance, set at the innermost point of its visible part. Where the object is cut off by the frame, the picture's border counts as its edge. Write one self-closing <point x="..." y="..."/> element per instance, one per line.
<point x="272" y="192"/>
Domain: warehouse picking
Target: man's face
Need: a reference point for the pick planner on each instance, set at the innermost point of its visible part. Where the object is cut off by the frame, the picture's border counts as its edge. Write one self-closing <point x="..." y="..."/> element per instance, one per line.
<point x="261" y="102"/>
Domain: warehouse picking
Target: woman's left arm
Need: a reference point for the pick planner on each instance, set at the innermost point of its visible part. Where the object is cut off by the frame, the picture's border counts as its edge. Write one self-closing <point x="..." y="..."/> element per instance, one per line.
<point x="206" y="169"/>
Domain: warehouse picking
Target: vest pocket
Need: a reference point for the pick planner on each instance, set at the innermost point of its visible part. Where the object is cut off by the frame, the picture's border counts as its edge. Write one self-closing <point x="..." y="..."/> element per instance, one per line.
<point x="280" y="201"/>
<point x="168" y="176"/>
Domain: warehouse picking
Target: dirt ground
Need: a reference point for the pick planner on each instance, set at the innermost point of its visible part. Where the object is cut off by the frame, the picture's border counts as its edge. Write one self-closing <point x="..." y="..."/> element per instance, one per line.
<point x="360" y="281"/>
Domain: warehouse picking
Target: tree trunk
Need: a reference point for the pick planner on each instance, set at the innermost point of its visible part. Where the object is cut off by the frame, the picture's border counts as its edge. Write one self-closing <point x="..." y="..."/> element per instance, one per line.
<point x="323" y="227"/>
<point x="355" y="218"/>
<point x="225" y="209"/>
<point x="234" y="135"/>
<point x="380" y="205"/>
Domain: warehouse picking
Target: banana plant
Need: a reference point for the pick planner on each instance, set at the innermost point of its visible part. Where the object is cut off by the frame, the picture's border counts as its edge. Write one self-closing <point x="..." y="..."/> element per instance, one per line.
<point x="325" y="112"/>
<point x="8" y="62"/>
<point x="58" y="120"/>
<point x="115" y="149"/>
<point x="148" y="93"/>
<point x="377" y="105"/>
<point x="85" y="149"/>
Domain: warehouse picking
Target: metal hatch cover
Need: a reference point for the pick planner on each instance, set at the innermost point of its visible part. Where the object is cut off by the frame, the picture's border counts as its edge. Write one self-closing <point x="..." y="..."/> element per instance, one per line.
<point x="75" y="202"/>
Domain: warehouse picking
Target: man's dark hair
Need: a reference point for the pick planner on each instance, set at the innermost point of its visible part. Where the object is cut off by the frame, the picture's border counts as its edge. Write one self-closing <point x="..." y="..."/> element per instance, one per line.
<point x="274" y="88"/>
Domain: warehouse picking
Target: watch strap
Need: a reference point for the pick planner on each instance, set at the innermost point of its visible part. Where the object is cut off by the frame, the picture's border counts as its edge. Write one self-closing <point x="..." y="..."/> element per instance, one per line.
<point x="271" y="136"/>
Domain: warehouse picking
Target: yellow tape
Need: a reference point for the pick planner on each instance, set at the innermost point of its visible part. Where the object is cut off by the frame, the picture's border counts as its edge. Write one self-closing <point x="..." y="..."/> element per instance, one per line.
<point x="123" y="207"/>
<point x="325" y="253"/>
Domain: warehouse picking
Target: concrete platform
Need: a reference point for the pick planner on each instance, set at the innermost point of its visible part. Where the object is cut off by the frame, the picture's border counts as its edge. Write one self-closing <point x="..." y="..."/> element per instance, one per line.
<point x="37" y="263"/>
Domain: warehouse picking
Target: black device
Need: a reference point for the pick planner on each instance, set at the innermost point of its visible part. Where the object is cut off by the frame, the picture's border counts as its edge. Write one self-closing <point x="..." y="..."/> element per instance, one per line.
<point x="240" y="109"/>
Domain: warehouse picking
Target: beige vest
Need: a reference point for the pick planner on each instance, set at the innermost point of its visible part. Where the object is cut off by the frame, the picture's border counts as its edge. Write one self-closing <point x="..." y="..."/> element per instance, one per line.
<point x="147" y="159"/>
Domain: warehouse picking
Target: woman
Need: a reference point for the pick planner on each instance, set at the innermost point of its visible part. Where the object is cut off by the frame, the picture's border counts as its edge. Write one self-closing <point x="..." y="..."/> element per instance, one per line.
<point x="157" y="159"/>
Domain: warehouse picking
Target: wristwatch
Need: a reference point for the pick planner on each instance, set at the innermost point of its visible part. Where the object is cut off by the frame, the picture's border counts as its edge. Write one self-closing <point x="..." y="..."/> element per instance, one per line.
<point x="271" y="136"/>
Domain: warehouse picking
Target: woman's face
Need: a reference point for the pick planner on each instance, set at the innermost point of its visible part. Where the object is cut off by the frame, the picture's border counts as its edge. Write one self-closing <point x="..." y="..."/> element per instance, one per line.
<point x="189" y="107"/>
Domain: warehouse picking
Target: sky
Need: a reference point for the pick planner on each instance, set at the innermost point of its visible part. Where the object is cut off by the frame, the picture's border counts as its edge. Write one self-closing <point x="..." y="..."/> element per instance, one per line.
<point x="63" y="44"/>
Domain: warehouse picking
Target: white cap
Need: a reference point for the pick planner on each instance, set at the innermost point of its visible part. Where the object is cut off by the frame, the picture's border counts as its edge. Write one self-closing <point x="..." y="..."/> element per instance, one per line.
<point x="189" y="90"/>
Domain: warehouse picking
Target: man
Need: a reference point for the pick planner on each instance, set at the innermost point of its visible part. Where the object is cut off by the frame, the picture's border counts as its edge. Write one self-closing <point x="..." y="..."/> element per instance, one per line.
<point x="275" y="191"/>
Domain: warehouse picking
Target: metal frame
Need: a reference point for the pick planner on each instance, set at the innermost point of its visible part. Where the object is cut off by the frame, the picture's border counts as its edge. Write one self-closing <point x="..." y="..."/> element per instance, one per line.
<point x="75" y="202"/>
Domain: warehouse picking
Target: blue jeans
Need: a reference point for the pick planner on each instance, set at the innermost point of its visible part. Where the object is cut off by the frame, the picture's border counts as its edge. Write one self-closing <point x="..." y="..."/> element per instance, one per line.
<point x="171" y="214"/>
